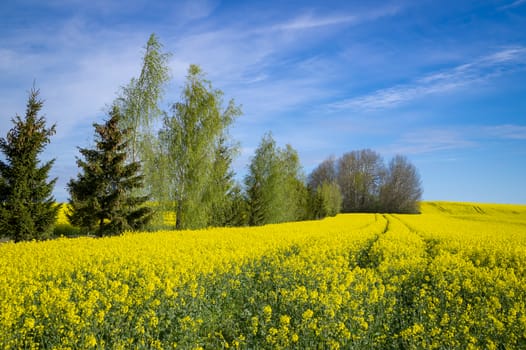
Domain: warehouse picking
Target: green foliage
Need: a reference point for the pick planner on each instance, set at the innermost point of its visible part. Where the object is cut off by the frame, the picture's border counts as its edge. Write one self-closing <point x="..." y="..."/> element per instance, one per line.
<point x="295" y="196"/>
<point x="324" y="200"/>
<point x="27" y="207"/>
<point x="66" y="230"/>
<point x="262" y="183"/>
<point x="235" y="209"/>
<point x="139" y="102"/>
<point x="224" y="195"/>
<point x="275" y="188"/>
<point x="328" y="200"/>
<point x="102" y="200"/>
<point x="194" y="144"/>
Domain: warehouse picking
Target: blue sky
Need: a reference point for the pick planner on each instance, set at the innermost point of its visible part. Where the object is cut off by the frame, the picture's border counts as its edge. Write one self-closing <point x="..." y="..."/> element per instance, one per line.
<point x="442" y="82"/>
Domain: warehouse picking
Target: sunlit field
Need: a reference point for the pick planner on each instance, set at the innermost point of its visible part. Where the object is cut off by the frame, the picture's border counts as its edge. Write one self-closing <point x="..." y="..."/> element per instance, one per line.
<point x="452" y="277"/>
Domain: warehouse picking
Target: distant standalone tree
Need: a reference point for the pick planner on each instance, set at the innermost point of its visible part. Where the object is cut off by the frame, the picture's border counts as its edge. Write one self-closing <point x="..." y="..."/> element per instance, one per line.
<point x="401" y="191"/>
<point x="27" y="207"/>
<point x="197" y="157"/>
<point x="102" y="197"/>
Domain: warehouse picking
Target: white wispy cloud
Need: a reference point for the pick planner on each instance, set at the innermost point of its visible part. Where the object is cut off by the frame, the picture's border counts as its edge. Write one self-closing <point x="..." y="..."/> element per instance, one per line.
<point x="506" y="131"/>
<point x="273" y="63"/>
<point x="438" y="139"/>
<point x="429" y="141"/>
<point x="77" y="71"/>
<point x="513" y="4"/>
<point x="80" y="65"/>
<point x="481" y="70"/>
<point x="312" y="20"/>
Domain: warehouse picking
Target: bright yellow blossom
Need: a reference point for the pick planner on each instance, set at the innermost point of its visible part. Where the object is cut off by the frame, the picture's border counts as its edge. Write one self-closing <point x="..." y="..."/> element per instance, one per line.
<point x="452" y="277"/>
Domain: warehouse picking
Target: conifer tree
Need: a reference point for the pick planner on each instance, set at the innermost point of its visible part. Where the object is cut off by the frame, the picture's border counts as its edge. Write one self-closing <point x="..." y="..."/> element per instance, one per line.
<point x="263" y="184"/>
<point x="27" y="207"/>
<point x="221" y="196"/>
<point x="102" y="196"/>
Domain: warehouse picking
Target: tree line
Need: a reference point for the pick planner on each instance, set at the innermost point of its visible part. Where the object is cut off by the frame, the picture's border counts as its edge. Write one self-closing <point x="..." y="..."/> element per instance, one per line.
<point x="368" y="185"/>
<point x="135" y="172"/>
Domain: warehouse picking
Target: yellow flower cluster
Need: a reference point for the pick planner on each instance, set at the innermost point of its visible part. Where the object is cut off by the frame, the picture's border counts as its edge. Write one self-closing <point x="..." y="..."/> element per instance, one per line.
<point x="449" y="278"/>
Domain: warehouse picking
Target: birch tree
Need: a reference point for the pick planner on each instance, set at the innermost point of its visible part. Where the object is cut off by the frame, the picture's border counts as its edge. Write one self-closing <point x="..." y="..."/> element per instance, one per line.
<point x="193" y="139"/>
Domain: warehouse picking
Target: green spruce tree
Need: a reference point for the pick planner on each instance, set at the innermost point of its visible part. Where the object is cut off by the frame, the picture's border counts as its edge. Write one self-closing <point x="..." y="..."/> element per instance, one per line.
<point x="263" y="184"/>
<point x="27" y="207"/>
<point x="222" y="182"/>
<point x="103" y="200"/>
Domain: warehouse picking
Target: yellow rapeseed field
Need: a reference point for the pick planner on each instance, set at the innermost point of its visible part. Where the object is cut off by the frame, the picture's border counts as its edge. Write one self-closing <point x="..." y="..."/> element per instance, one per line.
<point x="453" y="277"/>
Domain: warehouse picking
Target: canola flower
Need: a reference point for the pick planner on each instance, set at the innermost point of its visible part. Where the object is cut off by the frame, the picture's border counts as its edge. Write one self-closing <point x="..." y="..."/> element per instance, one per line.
<point x="452" y="277"/>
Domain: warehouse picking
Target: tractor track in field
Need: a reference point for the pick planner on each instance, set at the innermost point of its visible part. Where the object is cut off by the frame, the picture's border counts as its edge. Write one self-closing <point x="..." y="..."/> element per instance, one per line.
<point x="430" y="243"/>
<point x="364" y="260"/>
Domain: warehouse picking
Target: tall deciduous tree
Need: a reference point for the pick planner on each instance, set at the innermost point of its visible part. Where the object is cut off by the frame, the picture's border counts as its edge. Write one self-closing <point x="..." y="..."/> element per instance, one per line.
<point x="139" y="100"/>
<point x="275" y="188"/>
<point x="401" y="190"/>
<point x="102" y="197"/>
<point x="360" y="175"/>
<point x="193" y="140"/>
<point x="325" y="172"/>
<point x="325" y="200"/>
<point x="325" y="195"/>
<point x="139" y="103"/>
<point x="331" y="198"/>
<point x="27" y="207"/>
<point x="365" y="184"/>
<point x="293" y="186"/>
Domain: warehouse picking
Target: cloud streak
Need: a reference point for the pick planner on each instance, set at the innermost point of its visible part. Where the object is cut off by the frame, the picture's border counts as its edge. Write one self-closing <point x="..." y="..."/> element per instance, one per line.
<point x="506" y="131"/>
<point x="285" y="64"/>
<point x="309" y="21"/>
<point x="439" y="139"/>
<point x="513" y="4"/>
<point x="477" y="72"/>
